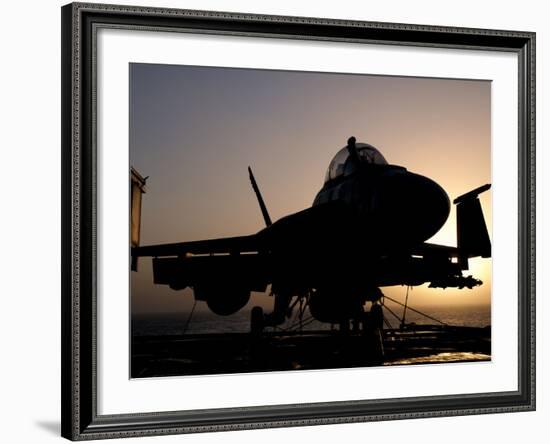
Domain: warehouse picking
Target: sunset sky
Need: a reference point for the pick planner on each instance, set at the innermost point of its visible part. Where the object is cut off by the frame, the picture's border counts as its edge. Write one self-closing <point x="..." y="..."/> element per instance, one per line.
<point x="194" y="131"/>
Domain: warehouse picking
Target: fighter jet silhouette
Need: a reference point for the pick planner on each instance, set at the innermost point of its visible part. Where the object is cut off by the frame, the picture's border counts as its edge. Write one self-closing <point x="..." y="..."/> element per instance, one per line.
<point x="367" y="228"/>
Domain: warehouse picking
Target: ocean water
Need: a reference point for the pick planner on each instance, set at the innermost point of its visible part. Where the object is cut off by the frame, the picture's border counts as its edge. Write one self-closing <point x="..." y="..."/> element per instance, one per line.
<point x="202" y="322"/>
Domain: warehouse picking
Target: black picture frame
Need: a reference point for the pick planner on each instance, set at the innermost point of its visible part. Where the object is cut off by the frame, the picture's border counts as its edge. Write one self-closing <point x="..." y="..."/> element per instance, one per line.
<point x="79" y="384"/>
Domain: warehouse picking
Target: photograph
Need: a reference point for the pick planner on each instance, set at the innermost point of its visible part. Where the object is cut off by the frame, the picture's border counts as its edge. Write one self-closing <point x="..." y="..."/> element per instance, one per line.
<point x="295" y="220"/>
<point x="275" y="220"/>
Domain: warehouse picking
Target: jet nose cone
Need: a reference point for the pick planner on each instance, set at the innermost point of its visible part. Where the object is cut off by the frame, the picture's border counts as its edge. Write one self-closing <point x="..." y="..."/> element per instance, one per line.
<point x="413" y="207"/>
<point x="432" y="202"/>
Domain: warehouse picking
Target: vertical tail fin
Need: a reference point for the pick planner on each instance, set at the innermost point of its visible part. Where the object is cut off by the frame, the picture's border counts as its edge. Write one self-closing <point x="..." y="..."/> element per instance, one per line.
<point x="472" y="235"/>
<point x="263" y="208"/>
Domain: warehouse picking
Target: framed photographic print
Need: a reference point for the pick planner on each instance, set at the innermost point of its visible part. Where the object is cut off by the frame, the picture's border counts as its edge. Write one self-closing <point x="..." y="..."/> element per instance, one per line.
<point x="262" y="215"/>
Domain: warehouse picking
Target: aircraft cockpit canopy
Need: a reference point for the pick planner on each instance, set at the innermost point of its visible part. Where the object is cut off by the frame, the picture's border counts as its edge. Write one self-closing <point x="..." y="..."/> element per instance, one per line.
<point x="341" y="164"/>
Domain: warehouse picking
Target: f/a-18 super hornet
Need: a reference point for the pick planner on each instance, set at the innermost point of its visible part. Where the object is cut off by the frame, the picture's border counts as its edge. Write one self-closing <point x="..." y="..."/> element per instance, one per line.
<point x="367" y="228"/>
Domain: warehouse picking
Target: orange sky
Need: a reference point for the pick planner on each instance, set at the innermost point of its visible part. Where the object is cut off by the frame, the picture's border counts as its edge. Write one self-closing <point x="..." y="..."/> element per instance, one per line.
<point x="195" y="130"/>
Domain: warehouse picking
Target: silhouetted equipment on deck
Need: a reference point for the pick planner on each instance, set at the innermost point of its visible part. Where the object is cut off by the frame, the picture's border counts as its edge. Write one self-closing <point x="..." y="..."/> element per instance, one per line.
<point x="367" y="228"/>
<point x="137" y="188"/>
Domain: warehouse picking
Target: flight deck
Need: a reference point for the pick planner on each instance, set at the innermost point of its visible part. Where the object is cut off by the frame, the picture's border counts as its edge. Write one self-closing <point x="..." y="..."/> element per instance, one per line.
<point x="199" y="354"/>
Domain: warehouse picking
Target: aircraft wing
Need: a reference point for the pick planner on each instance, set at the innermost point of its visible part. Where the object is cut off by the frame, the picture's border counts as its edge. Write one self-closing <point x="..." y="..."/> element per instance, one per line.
<point x="438" y="252"/>
<point x="228" y="245"/>
<point x="427" y="249"/>
<point x="219" y="266"/>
